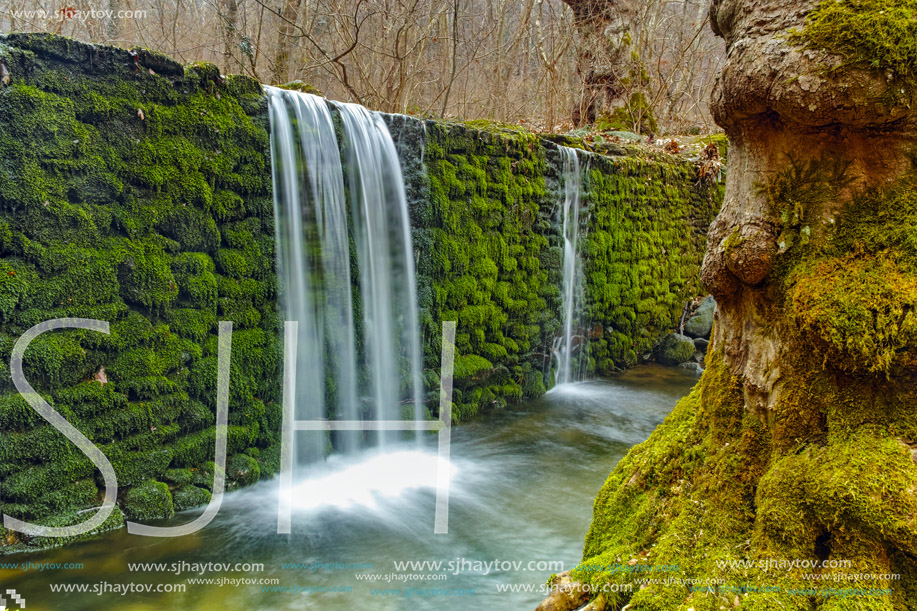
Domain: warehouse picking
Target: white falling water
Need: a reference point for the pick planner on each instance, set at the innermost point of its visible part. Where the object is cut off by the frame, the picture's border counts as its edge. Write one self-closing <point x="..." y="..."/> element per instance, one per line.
<point x="314" y="238"/>
<point x="388" y="285"/>
<point x="569" y="363"/>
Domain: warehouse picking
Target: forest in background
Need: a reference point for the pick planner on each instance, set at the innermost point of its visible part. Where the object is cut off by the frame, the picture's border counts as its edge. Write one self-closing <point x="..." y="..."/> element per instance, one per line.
<point x="517" y="62"/>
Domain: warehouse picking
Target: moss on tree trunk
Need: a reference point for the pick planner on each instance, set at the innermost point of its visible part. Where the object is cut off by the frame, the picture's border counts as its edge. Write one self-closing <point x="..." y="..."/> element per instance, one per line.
<point x="799" y="441"/>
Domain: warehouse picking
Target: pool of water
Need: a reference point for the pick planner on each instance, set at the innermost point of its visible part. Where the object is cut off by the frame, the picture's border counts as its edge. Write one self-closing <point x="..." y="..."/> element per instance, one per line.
<point x="523" y="481"/>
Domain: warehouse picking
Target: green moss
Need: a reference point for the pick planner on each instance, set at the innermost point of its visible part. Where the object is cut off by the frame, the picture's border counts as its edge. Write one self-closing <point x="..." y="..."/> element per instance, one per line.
<point x="189" y="497"/>
<point x="879" y="34"/>
<point x="492" y="256"/>
<point x="862" y="307"/>
<point x="269" y="461"/>
<point x="635" y="302"/>
<point x="533" y="384"/>
<point x="467" y="366"/>
<point x="179" y="477"/>
<point x="669" y="489"/>
<point x="722" y="144"/>
<point x="302" y="87"/>
<point x="734" y="241"/>
<point x="114" y="522"/>
<point x="854" y="294"/>
<point x="634" y="116"/>
<point x="197" y="448"/>
<point x="242" y="470"/>
<point x="28" y="484"/>
<point x="118" y="183"/>
<point x="483" y="232"/>
<point x="68" y="499"/>
<point x="204" y="476"/>
<point x="675" y="349"/>
<point x="150" y="500"/>
<point x="801" y="492"/>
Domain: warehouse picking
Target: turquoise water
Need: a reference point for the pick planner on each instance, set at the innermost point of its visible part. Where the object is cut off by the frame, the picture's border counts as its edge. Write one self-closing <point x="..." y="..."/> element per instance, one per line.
<point x="520" y="504"/>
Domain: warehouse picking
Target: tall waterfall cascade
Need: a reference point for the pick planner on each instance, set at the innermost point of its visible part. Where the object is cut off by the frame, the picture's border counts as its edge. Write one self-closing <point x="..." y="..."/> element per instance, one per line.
<point x="570" y="355"/>
<point x="345" y="268"/>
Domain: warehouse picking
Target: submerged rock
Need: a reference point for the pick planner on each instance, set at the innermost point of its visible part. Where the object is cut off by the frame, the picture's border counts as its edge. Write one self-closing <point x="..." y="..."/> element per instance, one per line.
<point x="701" y="323"/>
<point x="693" y="367"/>
<point x="674" y="348"/>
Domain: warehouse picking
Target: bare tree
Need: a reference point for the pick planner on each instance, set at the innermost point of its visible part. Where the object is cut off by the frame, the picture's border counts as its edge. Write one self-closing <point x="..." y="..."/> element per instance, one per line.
<point x="528" y="60"/>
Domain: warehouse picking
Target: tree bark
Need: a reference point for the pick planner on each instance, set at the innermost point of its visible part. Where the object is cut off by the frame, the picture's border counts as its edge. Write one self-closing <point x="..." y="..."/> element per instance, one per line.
<point x="603" y="44"/>
<point x="229" y="12"/>
<point x="285" y="39"/>
<point x="800" y="440"/>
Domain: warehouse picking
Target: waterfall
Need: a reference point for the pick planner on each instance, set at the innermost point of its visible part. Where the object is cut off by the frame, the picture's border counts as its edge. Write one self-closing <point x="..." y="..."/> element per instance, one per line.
<point x="388" y="281"/>
<point x="569" y="365"/>
<point x="358" y="345"/>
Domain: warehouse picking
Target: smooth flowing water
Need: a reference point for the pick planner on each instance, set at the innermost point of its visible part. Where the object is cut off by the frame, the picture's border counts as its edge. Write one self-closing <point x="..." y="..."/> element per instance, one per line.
<point x="387" y="277"/>
<point x="313" y="256"/>
<point x="570" y="355"/>
<point x="522" y="490"/>
<point x="314" y="230"/>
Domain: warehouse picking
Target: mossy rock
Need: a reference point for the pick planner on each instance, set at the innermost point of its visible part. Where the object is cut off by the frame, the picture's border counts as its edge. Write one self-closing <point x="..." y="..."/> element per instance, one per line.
<point x="674" y="349"/>
<point x="203" y="477"/>
<point x="242" y="470"/>
<point x="189" y="497"/>
<point x="302" y="87"/>
<point x="113" y="522"/>
<point x="151" y="500"/>
<point x="533" y="384"/>
<point x="269" y="461"/>
<point x="180" y="477"/>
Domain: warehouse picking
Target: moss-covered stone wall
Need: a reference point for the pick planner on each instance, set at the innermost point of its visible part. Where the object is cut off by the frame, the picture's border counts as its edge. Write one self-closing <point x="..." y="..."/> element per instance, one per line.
<point x="487" y="205"/>
<point x="135" y="191"/>
<point x="648" y="220"/>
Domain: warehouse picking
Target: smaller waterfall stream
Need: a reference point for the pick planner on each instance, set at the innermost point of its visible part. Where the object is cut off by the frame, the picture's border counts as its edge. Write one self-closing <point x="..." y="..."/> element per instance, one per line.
<point x="569" y="355"/>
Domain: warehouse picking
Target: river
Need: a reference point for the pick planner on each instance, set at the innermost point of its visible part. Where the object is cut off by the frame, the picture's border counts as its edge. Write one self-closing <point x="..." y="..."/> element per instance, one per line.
<point x="523" y="482"/>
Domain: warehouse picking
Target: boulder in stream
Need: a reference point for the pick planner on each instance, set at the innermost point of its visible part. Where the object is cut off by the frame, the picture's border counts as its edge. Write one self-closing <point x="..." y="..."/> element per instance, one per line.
<point x="701" y="322"/>
<point x="674" y="349"/>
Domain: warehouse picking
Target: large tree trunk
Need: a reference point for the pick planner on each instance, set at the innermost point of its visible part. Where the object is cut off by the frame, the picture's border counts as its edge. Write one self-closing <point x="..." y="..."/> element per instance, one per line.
<point x="800" y="441"/>
<point x="603" y="45"/>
